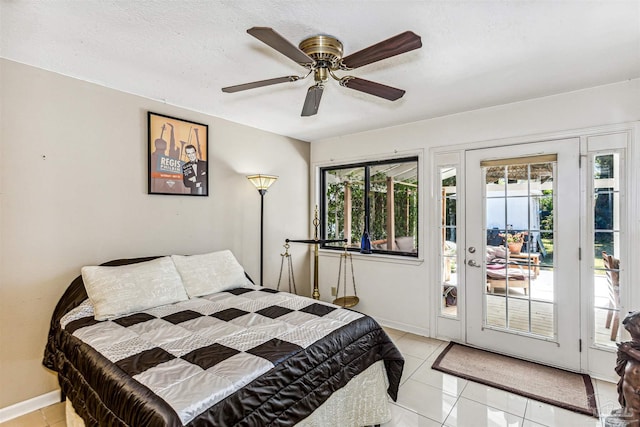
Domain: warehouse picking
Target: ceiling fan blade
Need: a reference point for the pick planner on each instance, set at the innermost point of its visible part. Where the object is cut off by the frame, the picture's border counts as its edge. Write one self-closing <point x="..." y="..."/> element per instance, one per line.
<point x="372" y="88"/>
<point x="312" y="101"/>
<point x="385" y="49"/>
<point x="253" y="85"/>
<point x="269" y="37"/>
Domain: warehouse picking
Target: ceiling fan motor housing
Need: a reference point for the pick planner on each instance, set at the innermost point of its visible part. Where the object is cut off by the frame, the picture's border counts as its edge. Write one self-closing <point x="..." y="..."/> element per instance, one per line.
<point x="325" y="50"/>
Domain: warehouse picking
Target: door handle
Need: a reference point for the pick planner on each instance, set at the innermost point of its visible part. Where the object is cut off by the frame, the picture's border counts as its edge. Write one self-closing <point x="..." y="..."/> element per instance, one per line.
<point x="473" y="263"/>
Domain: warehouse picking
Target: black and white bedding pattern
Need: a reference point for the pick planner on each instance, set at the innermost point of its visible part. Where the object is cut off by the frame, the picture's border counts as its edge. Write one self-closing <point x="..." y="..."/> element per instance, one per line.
<point x="247" y="356"/>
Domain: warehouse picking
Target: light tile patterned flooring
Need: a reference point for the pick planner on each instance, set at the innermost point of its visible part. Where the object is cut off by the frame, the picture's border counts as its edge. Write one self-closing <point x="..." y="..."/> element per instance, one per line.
<point x="429" y="398"/>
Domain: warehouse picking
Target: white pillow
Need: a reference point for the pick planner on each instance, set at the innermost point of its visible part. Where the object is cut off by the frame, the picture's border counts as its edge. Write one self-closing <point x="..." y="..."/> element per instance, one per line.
<point x="491" y="253"/>
<point x="494" y="252"/>
<point x="500" y="252"/>
<point x="208" y="273"/>
<point x="125" y="289"/>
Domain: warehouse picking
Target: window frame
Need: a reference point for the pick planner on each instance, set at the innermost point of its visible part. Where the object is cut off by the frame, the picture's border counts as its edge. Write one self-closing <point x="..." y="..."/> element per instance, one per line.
<point x="367" y="165"/>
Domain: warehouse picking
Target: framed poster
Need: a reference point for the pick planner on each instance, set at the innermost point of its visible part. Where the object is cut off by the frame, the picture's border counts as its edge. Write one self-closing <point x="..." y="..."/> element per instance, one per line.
<point x="178" y="152"/>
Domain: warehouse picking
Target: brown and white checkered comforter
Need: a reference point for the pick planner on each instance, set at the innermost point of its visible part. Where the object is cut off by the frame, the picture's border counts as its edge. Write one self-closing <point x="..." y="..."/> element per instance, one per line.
<point x="249" y="356"/>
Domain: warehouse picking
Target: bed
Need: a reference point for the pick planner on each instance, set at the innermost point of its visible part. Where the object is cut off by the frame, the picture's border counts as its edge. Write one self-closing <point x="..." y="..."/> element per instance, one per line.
<point x="241" y="355"/>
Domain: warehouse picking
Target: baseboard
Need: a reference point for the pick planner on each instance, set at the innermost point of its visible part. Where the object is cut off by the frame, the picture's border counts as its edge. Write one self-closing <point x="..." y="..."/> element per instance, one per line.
<point x="26" y="406"/>
<point x="402" y="326"/>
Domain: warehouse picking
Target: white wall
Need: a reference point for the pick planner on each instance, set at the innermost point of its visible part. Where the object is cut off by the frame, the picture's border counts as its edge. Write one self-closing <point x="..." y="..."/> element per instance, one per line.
<point x="397" y="293"/>
<point x="74" y="192"/>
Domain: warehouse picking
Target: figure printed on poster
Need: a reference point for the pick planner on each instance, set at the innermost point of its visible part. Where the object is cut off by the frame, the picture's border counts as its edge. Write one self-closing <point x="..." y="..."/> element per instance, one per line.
<point x="194" y="172"/>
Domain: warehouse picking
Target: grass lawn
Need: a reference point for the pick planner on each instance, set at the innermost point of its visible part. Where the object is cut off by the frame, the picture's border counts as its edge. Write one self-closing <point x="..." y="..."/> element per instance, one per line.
<point x="598" y="263"/>
<point x="548" y="257"/>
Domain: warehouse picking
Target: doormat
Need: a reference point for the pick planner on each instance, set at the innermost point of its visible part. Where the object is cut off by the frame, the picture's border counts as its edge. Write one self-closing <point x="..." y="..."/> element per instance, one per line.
<point x="554" y="386"/>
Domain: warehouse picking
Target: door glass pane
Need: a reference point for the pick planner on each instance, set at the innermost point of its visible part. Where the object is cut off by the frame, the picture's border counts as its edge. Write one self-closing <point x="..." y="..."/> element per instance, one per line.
<point x="541" y="317"/>
<point x="448" y="238"/>
<point x="519" y="247"/>
<point x="606" y="247"/>
<point x="496" y="311"/>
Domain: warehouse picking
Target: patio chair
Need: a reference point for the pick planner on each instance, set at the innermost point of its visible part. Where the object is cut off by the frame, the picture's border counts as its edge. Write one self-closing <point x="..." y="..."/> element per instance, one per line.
<point x="499" y="271"/>
<point x="612" y="269"/>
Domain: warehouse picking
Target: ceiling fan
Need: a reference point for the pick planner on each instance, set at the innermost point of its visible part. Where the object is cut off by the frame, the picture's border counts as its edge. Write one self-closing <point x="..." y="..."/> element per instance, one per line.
<point x="322" y="55"/>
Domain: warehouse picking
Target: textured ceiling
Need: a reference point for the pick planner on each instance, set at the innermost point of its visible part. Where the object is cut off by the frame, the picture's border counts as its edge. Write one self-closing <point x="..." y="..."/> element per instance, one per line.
<point x="475" y="53"/>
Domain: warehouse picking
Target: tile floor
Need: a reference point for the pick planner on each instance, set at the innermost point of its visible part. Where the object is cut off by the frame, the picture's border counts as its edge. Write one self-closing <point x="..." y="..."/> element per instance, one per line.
<point x="51" y="416"/>
<point x="429" y="398"/>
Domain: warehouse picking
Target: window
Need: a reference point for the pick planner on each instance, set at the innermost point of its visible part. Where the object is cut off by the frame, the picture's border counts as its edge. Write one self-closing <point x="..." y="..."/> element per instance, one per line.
<point x="448" y="230"/>
<point x="374" y="200"/>
<point x="607" y="185"/>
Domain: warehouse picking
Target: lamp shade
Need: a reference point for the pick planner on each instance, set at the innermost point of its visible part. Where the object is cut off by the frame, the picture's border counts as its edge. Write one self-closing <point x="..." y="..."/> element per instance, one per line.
<point x="262" y="182"/>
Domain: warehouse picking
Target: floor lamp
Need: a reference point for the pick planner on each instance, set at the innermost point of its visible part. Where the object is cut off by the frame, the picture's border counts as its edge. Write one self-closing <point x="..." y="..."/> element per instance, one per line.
<point x="262" y="183"/>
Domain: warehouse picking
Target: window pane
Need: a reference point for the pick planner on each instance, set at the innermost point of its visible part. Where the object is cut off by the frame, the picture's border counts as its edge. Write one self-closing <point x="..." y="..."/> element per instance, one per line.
<point x="448" y="248"/>
<point x="603" y="167"/>
<point x="344" y="198"/>
<point x="393" y="205"/>
<point x="546" y="248"/>
<point x="542" y="318"/>
<point x="605" y="201"/>
<point x="546" y="210"/>
<point x="496" y="311"/>
<point x="604" y="242"/>
<point x="606" y="248"/>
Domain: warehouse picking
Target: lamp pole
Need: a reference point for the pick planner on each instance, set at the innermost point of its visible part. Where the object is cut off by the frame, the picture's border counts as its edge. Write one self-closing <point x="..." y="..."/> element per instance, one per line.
<point x="262" y="193"/>
<point x="262" y="183"/>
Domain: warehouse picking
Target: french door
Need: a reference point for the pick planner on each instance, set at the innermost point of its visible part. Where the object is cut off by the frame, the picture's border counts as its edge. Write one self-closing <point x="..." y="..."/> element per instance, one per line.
<point x="522" y="265"/>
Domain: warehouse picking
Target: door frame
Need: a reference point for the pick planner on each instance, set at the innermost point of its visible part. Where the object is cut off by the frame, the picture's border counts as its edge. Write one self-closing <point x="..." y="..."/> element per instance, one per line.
<point x="453" y="329"/>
